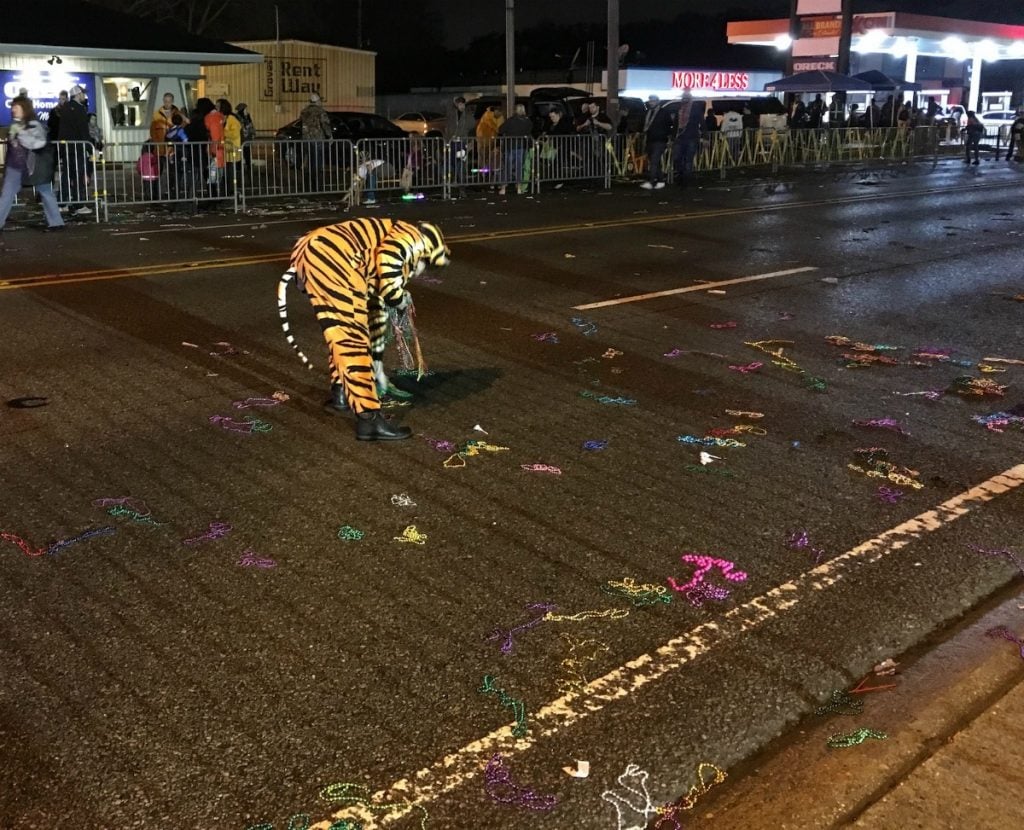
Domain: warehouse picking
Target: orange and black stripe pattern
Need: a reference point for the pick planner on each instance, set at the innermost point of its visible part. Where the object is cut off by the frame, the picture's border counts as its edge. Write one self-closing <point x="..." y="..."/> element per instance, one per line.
<point x="353" y="272"/>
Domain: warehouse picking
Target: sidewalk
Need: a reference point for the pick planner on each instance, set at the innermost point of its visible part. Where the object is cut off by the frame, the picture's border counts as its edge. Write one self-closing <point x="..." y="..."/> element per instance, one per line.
<point x="953" y="759"/>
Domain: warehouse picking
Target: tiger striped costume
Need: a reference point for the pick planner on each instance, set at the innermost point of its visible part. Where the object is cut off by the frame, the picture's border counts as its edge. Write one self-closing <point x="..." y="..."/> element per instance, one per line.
<point x="352" y="272"/>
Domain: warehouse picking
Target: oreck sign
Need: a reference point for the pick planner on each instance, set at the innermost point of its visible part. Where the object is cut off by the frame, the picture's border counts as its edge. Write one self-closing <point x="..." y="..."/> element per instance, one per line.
<point x="291" y="79"/>
<point x="713" y="81"/>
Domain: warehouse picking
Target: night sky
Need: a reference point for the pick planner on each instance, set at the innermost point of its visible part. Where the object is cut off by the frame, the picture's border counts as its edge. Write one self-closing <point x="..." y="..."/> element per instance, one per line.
<point x="466" y="19"/>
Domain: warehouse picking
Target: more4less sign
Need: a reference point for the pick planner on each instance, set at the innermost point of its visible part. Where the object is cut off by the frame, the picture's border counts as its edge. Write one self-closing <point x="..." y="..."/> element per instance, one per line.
<point x="715" y="81"/>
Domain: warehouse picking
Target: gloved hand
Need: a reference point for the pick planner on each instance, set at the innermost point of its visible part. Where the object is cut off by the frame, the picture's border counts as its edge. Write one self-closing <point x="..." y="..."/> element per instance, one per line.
<point x="405" y="302"/>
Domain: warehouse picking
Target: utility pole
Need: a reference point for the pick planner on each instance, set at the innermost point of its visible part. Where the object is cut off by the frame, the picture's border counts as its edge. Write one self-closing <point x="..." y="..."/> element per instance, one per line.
<point x="612" y="107"/>
<point x="845" y="38"/>
<point x="510" y="58"/>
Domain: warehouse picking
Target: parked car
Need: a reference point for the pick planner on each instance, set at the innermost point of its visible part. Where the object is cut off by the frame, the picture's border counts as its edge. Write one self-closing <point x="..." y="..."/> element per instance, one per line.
<point x="353" y="126"/>
<point x="426" y="123"/>
<point x="997" y="118"/>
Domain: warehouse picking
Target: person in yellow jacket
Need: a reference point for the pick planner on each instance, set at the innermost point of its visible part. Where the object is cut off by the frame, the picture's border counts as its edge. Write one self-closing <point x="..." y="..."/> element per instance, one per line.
<point x="486" y="132"/>
<point x="232" y="147"/>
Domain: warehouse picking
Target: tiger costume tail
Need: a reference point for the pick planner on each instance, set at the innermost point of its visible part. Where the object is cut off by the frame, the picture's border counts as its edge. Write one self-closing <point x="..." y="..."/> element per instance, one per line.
<point x="282" y="310"/>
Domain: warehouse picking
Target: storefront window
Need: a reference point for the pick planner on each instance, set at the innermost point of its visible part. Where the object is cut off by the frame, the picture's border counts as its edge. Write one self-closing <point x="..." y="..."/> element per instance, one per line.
<point x="128" y="100"/>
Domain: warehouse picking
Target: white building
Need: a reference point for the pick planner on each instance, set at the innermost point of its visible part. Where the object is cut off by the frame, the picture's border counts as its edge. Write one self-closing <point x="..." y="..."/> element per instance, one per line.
<point x="125" y="64"/>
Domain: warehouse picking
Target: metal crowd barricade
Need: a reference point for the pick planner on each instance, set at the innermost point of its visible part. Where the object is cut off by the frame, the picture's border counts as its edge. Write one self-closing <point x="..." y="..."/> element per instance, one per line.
<point x="410" y="165"/>
<point x="186" y="172"/>
<point x="76" y="177"/>
<point x="287" y="168"/>
<point x="501" y="161"/>
<point x="562" y="158"/>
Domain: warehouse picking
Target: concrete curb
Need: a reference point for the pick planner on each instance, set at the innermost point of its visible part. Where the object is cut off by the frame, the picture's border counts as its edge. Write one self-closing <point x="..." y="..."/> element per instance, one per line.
<point x="798" y="783"/>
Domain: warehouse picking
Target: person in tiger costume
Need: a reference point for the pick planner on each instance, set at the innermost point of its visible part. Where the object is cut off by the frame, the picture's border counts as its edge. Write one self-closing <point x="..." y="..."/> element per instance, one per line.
<point x="353" y="272"/>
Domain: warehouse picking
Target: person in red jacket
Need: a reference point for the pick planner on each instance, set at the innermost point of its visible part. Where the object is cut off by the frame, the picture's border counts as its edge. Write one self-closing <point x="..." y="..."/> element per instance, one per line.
<point x="214" y="123"/>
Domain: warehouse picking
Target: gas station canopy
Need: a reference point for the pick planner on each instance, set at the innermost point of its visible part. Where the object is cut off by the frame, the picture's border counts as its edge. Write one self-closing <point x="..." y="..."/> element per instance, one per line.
<point x="897" y="34"/>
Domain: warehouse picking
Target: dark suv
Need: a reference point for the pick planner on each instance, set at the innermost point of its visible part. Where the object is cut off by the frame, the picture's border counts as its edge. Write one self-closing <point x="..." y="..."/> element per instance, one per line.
<point x="352" y="126"/>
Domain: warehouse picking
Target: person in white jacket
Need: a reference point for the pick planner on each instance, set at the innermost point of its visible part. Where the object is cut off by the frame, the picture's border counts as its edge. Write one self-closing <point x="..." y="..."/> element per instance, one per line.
<point x="30" y="162"/>
<point x="732" y="129"/>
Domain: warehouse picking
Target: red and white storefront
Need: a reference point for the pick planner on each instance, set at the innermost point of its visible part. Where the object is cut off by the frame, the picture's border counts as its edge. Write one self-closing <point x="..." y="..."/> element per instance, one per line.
<point x="703" y="83"/>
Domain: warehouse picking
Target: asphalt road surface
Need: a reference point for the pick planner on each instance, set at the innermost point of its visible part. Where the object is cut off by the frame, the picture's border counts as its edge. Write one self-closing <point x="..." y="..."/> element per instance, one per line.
<point x="224" y="684"/>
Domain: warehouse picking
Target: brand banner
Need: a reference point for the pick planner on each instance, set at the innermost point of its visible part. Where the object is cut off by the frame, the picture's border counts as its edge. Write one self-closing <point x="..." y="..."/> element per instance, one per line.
<point x="43" y="87"/>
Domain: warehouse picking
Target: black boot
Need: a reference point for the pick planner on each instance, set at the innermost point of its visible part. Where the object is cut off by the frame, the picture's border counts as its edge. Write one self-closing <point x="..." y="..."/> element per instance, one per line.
<point x="373" y="426"/>
<point x="336" y="403"/>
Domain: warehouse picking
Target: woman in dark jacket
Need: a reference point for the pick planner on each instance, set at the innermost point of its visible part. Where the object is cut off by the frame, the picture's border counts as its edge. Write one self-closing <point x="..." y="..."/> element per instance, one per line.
<point x="30" y="162"/>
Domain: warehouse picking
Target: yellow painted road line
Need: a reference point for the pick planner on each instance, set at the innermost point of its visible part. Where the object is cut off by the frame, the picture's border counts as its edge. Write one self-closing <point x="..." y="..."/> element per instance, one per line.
<point x="139" y="271"/>
<point x="705" y="286"/>
<point x="490" y="236"/>
<point x="458" y="768"/>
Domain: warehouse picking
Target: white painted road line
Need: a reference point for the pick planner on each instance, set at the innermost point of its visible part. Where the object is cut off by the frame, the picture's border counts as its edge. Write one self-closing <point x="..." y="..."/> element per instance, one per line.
<point x="456" y="769"/>
<point x="704" y="286"/>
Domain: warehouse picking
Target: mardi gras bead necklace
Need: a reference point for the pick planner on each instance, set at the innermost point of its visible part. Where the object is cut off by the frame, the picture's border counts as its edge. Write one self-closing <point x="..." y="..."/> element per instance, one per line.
<point x="347" y="533"/>
<point x="133" y="515"/>
<point x="356" y="795"/>
<point x="704" y="564"/>
<point x="517" y="706"/>
<point x="889" y="495"/>
<point x="1006" y="634"/>
<point x="689" y="801"/>
<point x="585" y="326"/>
<point x="137" y="505"/>
<point x="607" y="399"/>
<point x="1009" y="554"/>
<point x="541" y="468"/>
<point x="277" y="399"/>
<point x="581" y="653"/>
<point x="841" y="703"/>
<point x="709" y="441"/>
<point x="499" y="786"/>
<point x="639" y="595"/>
<point x="249" y="425"/>
<point x="469" y="450"/>
<point x="776" y="349"/>
<point x="56" y="547"/>
<point x="251" y="560"/>
<point x="976" y="387"/>
<point x="215" y="530"/>
<point x="996" y="420"/>
<point x="799" y="540"/>
<point x="411" y="535"/>
<point x="854" y="738"/>
<point x="582" y="616"/>
<point x="595" y="445"/>
<point x="506" y="635"/>
<point x="875" y="464"/>
<point x="637" y="799"/>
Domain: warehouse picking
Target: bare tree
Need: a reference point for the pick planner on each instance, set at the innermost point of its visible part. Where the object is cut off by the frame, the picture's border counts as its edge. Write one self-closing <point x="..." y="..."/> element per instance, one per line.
<point x="195" y="16"/>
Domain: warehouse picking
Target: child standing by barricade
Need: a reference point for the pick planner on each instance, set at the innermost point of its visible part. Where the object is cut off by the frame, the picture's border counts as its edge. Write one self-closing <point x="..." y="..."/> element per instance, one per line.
<point x="149" y="171"/>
